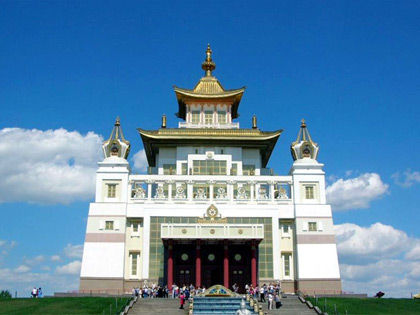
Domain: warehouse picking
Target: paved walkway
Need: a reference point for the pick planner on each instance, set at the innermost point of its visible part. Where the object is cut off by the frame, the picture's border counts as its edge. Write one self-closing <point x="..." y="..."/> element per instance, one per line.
<point x="291" y="306"/>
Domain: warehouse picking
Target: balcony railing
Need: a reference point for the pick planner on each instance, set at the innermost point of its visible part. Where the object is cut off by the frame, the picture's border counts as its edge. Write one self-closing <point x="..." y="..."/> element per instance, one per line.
<point x="212" y="231"/>
<point x="217" y="189"/>
<point x="233" y="125"/>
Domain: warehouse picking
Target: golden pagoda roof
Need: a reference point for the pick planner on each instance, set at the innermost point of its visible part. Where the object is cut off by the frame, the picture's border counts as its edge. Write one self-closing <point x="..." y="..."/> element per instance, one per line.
<point x="208" y="88"/>
<point x="251" y="138"/>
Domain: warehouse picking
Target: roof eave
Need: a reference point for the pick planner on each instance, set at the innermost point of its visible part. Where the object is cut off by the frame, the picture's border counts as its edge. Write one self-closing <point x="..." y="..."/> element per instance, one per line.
<point x="181" y="94"/>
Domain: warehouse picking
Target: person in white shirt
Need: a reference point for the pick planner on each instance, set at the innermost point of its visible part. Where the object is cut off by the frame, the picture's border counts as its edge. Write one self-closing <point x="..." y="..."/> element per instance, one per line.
<point x="270" y="301"/>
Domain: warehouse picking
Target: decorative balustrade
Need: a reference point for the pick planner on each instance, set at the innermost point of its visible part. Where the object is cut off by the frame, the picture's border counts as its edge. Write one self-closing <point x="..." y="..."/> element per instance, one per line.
<point x="211" y="231"/>
<point x="233" y="125"/>
<point x="218" y="189"/>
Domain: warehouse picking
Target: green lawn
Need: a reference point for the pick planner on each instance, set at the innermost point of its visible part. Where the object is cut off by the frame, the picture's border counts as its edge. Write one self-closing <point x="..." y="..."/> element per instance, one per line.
<point x="62" y="305"/>
<point x="368" y="306"/>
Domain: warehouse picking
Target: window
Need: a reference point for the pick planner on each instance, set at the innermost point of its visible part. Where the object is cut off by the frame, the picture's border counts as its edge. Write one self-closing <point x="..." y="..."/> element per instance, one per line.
<point x="135" y="227"/>
<point x="221" y="118"/>
<point x="109" y="225"/>
<point x="208" y="117"/>
<point x="195" y="117"/>
<point x="134" y="261"/>
<point x="312" y="226"/>
<point x="309" y="192"/>
<point x="169" y="169"/>
<point x="112" y="188"/>
<point x="248" y="170"/>
<point x="209" y="167"/>
<point x="184" y="167"/>
<point x="286" y="264"/>
<point x="285" y="228"/>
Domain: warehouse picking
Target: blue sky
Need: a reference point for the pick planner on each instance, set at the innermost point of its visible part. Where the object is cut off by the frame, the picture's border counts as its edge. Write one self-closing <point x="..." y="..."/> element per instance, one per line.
<point x="350" y="68"/>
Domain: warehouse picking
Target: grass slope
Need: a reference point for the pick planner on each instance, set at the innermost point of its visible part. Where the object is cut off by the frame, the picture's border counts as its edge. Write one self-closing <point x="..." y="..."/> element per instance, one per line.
<point x="61" y="305"/>
<point x="369" y="306"/>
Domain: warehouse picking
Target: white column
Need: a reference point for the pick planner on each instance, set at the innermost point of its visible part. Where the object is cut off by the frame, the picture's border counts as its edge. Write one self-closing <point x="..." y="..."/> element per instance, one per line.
<point x="276" y="249"/>
<point x="230" y="191"/>
<point x="272" y="191"/>
<point x="190" y="191"/>
<point x="257" y="189"/>
<point x="149" y="191"/>
<point x="169" y="190"/>
<point x="146" y="246"/>
<point x="252" y="190"/>
<point x="211" y="192"/>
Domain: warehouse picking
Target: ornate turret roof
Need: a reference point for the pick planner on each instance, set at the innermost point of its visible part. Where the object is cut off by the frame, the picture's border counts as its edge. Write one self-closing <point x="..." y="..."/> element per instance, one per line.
<point x="304" y="147"/>
<point x="208" y="88"/>
<point x="116" y="145"/>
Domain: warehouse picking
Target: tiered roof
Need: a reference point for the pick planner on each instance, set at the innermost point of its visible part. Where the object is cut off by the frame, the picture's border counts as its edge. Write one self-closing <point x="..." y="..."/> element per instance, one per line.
<point x="208" y="88"/>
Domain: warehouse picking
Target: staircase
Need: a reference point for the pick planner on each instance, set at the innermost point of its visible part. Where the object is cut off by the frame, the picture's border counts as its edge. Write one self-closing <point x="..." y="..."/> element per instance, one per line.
<point x="218" y="305"/>
<point x="291" y="306"/>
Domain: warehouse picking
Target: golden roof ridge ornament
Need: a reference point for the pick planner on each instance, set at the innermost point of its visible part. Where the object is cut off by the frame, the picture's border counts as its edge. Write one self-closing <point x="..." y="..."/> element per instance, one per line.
<point x="208" y="65"/>
<point x="304" y="146"/>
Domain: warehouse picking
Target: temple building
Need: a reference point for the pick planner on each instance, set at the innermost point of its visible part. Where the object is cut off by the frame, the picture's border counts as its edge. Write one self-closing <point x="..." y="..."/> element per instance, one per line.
<point x="209" y="211"/>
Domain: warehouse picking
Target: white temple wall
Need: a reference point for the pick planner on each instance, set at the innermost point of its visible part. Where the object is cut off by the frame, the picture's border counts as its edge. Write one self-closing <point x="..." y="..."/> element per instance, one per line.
<point x="101" y="259"/>
<point x="318" y="261"/>
<point x="107" y="209"/>
<point x="197" y="210"/>
<point x="303" y="210"/>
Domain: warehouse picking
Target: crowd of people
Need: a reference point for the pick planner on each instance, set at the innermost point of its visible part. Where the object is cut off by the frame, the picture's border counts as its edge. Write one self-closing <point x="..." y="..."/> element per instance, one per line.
<point x="270" y="293"/>
<point x="156" y="291"/>
<point x="267" y="293"/>
<point x="36" y="293"/>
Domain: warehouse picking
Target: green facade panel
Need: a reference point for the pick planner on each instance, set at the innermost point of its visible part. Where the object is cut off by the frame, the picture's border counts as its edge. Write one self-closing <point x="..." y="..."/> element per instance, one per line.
<point x="157" y="251"/>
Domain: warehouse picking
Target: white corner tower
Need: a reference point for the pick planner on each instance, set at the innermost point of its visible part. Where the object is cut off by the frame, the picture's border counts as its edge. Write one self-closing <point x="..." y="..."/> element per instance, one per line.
<point x="103" y="254"/>
<point x="317" y="266"/>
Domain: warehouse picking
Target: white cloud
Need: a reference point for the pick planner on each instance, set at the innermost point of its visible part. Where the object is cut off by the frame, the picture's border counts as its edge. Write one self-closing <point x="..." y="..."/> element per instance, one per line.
<point x="72" y="268"/>
<point x="73" y="251"/>
<point x="414" y="252"/>
<point x="407" y="179"/>
<point x="47" y="167"/>
<point x="5" y="247"/>
<point x="23" y="283"/>
<point x="377" y="258"/>
<point x="140" y="161"/>
<point x="35" y="260"/>
<point x="358" y="244"/>
<point x="22" y="269"/>
<point x="356" y="193"/>
<point x="22" y="277"/>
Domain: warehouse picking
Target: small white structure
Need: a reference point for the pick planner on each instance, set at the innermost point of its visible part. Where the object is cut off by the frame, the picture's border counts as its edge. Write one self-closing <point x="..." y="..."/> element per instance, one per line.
<point x="209" y="211"/>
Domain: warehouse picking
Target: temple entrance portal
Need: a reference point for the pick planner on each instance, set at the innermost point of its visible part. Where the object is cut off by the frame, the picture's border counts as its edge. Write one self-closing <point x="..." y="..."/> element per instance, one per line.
<point x="209" y="263"/>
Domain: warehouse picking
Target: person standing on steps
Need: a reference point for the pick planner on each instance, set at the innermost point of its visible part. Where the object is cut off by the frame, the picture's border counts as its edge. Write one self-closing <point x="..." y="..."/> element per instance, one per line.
<point x="181" y="300"/>
<point x="262" y="297"/>
<point x="270" y="301"/>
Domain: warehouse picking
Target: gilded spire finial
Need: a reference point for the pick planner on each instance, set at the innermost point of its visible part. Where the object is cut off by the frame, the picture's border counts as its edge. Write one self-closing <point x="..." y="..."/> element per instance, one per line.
<point x="304" y="147"/>
<point x="116" y="145"/>
<point x="208" y="65"/>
